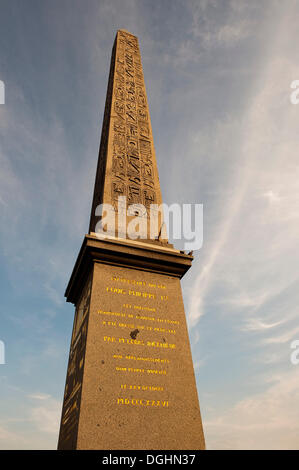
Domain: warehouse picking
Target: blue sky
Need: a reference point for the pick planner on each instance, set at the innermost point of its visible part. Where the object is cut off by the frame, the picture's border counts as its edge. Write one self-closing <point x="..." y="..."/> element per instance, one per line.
<point x="218" y="77"/>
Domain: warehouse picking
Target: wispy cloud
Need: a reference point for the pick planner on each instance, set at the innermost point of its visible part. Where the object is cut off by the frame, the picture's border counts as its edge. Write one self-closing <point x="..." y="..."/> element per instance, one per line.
<point x="39" y="396"/>
<point x="10" y="440"/>
<point x="256" y="152"/>
<point x="256" y="324"/>
<point x="284" y="337"/>
<point x="267" y="420"/>
<point x="46" y="417"/>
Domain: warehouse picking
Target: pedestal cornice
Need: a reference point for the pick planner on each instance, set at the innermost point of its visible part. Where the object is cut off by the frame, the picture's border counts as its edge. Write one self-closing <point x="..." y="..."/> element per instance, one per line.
<point x="162" y="259"/>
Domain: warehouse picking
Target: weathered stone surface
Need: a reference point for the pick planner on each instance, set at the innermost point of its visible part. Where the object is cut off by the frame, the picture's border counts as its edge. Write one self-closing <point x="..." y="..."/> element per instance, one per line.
<point x="130" y="381"/>
<point x="127" y="162"/>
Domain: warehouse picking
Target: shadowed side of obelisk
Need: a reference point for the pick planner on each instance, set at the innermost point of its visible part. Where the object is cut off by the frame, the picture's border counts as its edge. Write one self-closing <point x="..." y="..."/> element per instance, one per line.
<point x="102" y="158"/>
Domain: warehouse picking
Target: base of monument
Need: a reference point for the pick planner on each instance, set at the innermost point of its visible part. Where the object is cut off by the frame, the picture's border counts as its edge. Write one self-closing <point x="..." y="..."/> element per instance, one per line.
<point x="130" y="381"/>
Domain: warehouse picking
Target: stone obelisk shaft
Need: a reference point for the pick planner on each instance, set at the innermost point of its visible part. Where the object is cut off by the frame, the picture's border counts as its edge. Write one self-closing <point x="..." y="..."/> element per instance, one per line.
<point x="127" y="163"/>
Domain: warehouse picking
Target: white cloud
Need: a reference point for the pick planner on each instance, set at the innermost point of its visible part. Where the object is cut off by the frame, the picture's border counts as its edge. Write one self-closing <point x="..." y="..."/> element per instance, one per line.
<point x="268" y="420"/>
<point x="272" y="196"/>
<point x="283" y="338"/>
<point x="39" y="396"/>
<point x="46" y="417"/>
<point x="32" y="423"/>
<point x="250" y="239"/>
<point x="7" y="435"/>
<point x="256" y="324"/>
<point x="219" y="30"/>
<point x="247" y="271"/>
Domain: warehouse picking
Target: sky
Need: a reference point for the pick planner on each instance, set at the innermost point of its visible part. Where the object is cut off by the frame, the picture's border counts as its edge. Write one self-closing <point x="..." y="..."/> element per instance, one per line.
<point x="218" y="76"/>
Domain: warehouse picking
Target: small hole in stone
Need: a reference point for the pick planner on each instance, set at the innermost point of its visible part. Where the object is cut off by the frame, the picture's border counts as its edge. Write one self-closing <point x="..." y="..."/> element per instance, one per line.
<point x="134" y="333"/>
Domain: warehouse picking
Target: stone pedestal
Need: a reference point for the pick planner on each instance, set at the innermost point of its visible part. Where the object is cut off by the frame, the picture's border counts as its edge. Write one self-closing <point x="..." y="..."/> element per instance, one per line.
<point x="130" y="381"/>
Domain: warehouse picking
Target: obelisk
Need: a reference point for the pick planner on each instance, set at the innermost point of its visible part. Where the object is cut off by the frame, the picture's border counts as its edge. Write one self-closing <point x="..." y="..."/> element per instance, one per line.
<point x="130" y="381"/>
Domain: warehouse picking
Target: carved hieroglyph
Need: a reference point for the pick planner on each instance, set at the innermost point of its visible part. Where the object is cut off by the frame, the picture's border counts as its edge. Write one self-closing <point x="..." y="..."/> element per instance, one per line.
<point x="127" y="163"/>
